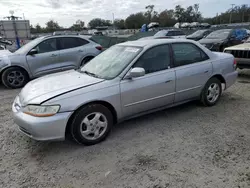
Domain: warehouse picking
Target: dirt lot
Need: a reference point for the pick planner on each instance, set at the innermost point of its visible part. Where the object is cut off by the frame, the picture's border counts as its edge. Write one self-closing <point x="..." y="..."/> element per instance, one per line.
<point x="187" y="146"/>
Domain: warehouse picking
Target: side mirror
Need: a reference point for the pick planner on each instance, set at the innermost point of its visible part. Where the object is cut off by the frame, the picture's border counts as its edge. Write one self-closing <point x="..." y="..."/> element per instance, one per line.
<point x="33" y="52"/>
<point x="135" y="72"/>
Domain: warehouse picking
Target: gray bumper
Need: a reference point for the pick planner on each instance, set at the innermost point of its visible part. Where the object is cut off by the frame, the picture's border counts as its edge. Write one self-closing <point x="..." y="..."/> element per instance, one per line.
<point x="42" y="128"/>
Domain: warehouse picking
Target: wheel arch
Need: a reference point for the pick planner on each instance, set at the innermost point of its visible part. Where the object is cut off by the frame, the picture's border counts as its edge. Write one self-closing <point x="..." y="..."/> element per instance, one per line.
<point x="20" y="67"/>
<point x="104" y="103"/>
<point x="219" y="77"/>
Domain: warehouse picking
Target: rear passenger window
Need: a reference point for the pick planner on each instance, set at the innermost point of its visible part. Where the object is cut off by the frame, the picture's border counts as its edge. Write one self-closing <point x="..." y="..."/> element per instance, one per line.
<point x="186" y="53"/>
<point x="154" y="59"/>
<point x="71" y="42"/>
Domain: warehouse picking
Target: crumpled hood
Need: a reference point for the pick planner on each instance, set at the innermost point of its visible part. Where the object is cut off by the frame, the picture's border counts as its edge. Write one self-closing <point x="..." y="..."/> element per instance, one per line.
<point x="47" y="87"/>
<point x="210" y="41"/>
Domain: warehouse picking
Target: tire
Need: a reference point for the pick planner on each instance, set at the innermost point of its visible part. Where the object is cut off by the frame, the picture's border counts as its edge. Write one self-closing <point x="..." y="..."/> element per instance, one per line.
<point x="211" y="93"/>
<point x="86" y="60"/>
<point x="91" y="124"/>
<point x="14" y="77"/>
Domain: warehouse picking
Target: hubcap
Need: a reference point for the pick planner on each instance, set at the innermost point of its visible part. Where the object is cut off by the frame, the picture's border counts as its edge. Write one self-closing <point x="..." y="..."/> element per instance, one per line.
<point x="94" y="126"/>
<point x="15" y="78"/>
<point x="213" y="92"/>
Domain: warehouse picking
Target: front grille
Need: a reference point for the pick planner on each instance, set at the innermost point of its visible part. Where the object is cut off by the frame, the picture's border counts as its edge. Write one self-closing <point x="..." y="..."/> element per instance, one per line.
<point x="245" y="54"/>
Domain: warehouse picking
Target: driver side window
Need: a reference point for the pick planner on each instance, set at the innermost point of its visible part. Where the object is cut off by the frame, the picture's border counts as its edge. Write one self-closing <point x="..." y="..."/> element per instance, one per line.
<point x="46" y="46"/>
<point x="155" y="59"/>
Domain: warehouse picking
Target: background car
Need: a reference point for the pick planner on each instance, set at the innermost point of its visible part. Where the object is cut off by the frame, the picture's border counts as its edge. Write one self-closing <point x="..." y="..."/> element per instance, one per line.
<point x="241" y="53"/>
<point x="220" y="39"/>
<point x="198" y="35"/>
<point x="172" y="33"/>
<point x="46" y="55"/>
<point x="125" y="81"/>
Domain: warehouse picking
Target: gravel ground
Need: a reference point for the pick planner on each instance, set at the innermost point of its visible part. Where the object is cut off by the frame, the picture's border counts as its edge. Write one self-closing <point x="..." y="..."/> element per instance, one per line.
<point x="187" y="146"/>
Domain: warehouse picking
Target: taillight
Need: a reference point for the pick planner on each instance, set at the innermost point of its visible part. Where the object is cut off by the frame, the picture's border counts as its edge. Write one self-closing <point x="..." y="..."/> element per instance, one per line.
<point x="235" y="64"/>
<point x="99" y="48"/>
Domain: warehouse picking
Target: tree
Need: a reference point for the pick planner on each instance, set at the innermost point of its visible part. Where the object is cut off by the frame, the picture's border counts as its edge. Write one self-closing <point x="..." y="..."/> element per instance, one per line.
<point x="97" y="22"/>
<point x="135" y="21"/>
<point x="52" y="26"/>
<point x="151" y="14"/>
<point x="179" y="13"/>
<point x="38" y="28"/>
<point x="166" y="18"/>
<point x="78" y="26"/>
<point x="119" y="23"/>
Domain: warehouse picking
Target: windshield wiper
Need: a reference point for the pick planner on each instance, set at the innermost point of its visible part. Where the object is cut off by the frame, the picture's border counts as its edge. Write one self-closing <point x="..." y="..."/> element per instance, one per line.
<point x="90" y="74"/>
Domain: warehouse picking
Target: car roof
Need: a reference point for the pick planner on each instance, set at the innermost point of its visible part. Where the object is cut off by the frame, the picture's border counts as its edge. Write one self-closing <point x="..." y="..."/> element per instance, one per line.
<point x="153" y="42"/>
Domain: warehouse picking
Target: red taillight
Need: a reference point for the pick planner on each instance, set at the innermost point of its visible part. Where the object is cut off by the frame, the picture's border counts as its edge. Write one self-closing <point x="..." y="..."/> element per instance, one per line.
<point x="235" y="64"/>
<point x="99" y="48"/>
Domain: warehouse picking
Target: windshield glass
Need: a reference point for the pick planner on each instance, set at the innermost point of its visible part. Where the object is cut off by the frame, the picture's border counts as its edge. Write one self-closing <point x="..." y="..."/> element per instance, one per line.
<point x="198" y="33"/>
<point x="111" y="62"/>
<point x="28" y="46"/>
<point x="160" y="33"/>
<point x="220" y="34"/>
<point x="248" y="40"/>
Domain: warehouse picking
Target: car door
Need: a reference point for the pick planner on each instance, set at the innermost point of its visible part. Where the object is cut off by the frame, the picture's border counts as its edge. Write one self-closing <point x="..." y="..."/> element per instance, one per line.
<point x="193" y="69"/>
<point x="46" y="60"/>
<point x="71" y="52"/>
<point x="155" y="89"/>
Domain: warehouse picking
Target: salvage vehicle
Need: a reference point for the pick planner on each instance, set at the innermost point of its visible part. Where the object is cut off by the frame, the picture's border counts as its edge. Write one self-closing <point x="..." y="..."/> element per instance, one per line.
<point x="171" y="33"/>
<point x="241" y="53"/>
<point x="46" y="55"/>
<point x="127" y="80"/>
<point x="198" y="35"/>
<point x="220" y="39"/>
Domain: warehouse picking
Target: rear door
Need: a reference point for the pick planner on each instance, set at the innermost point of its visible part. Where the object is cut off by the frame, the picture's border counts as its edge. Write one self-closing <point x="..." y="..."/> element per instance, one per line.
<point x="193" y="68"/>
<point x="71" y="52"/>
<point x="46" y="61"/>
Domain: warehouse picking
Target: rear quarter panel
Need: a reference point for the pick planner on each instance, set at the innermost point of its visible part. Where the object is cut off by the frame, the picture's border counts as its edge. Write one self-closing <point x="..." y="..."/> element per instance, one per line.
<point x="223" y="64"/>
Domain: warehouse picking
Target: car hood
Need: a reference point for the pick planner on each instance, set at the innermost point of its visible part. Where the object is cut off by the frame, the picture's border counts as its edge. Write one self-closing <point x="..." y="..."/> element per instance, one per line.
<point x="244" y="46"/>
<point x="211" y="41"/>
<point x="50" y="86"/>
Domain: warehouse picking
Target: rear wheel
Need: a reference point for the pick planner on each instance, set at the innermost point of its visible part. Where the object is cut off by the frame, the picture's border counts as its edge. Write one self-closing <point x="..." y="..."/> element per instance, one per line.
<point x="91" y="124"/>
<point x="14" y="77"/>
<point x="211" y="92"/>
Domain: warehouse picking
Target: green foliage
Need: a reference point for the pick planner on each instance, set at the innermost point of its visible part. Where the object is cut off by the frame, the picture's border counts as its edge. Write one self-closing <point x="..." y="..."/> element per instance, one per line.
<point x="99" y="22"/>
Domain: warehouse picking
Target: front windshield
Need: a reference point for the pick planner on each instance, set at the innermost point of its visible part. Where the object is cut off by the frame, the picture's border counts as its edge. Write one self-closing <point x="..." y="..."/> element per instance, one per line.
<point x="160" y="34"/>
<point x="220" y="34"/>
<point x="28" y="46"/>
<point x="198" y="33"/>
<point x="111" y="62"/>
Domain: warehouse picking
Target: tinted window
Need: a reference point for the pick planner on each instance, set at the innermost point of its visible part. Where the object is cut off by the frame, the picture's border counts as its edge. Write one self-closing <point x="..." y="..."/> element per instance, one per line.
<point x="179" y="33"/>
<point x="71" y="42"/>
<point x="171" y="33"/>
<point x="47" y="46"/>
<point x="81" y="42"/>
<point x="185" y="54"/>
<point x="154" y="59"/>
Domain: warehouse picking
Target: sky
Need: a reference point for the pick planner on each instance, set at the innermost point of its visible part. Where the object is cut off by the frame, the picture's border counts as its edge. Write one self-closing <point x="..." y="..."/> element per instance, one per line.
<point x="66" y="12"/>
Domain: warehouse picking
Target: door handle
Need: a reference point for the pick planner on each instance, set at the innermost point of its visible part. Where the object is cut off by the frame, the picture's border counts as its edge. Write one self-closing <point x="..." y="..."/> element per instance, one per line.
<point x="206" y="71"/>
<point x="53" y="55"/>
<point x="80" y="50"/>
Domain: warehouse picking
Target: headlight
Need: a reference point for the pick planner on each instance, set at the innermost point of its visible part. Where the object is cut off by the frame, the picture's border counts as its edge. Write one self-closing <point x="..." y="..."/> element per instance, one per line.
<point x="41" y="111"/>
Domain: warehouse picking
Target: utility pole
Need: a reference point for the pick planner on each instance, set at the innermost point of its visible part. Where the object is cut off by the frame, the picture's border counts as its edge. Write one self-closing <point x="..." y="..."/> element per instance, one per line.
<point x="113" y="20"/>
<point x="230" y="21"/>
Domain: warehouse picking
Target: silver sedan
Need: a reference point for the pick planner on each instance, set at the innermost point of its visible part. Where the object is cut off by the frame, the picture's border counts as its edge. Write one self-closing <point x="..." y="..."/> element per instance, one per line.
<point x="127" y="80"/>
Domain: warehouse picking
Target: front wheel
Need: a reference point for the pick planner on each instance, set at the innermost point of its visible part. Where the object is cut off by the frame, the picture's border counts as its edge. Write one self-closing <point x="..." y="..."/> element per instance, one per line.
<point x="14" y="77"/>
<point x="91" y="124"/>
<point x="211" y="92"/>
